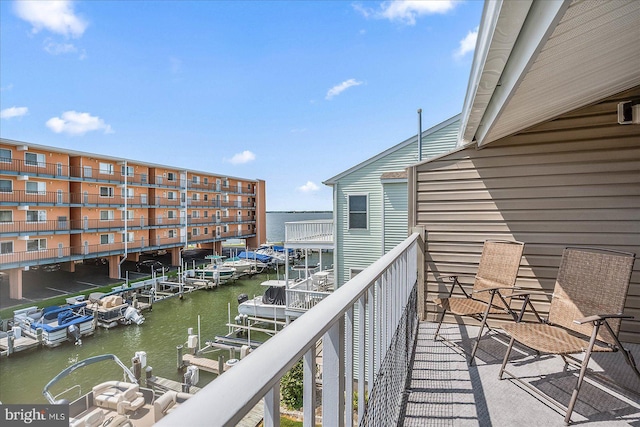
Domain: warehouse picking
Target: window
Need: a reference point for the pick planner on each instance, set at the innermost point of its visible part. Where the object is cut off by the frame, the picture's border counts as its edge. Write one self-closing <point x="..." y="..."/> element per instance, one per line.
<point x="226" y="182"/>
<point x="106" y="168"/>
<point x="106" y="191"/>
<point x="128" y="215"/>
<point x="128" y="171"/>
<point x="129" y="193"/>
<point x="206" y="230"/>
<point x="171" y="214"/>
<point x="6" y="186"/>
<point x="5" y="155"/>
<point x="171" y="195"/>
<point x="357" y="212"/>
<point x="171" y="176"/>
<point x="195" y="231"/>
<point x="106" y="239"/>
<point x="33" y="159"/>
<point x="206" y="214"/>
<point x="195" y="179"/>
<point x="6" y="216"/>
<point x="195" y="196"/>
<point x="106" y="215"/>
<point x="172" y="234"/>
<point x="34" y="187"/>
<point x="206" y="197"/>
<point x="353" y="272"/>
<point x="128" y="237"/>
<point x="206" y="181"/>
<point x="36" y="245"/>
<point x="36" y="216"/>
<point x="195" y="214"/>
<point x="6" y="247"/>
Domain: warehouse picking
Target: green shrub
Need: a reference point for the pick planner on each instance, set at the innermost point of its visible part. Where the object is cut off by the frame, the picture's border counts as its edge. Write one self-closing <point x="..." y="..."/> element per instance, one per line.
<point x="292" y="387"/>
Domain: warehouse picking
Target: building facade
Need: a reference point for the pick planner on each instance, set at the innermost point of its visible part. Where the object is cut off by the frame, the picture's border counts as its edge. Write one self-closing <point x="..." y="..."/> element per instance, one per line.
<point x="59" y="206"/>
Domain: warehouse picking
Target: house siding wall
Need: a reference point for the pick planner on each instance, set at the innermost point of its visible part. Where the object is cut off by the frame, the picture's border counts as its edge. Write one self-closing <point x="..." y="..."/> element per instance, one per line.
<point x="360" y="248"/>
<point x="572" y="181"/>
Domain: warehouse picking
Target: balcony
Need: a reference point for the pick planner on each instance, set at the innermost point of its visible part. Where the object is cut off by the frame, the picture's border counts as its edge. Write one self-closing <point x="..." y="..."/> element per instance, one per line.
<point x="372" y="344"/>
<point x="34" y="168"/>
<point x="309" y="233"/>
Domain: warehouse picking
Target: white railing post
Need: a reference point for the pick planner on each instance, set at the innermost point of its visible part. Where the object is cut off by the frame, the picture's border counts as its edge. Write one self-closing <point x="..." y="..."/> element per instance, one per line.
<point x="272" y="407"/>
<point x="309" y="384"/>
<point x="349" y="351"/>
<point x="374" y="340"/>
<point x="333" y="375"/>
<point x="362" y="341"/>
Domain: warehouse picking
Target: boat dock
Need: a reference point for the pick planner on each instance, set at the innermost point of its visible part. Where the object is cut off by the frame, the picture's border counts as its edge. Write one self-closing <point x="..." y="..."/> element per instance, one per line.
<point x="206" y="364"/>
<point x="10" y="345"/>
<point x="166" y="384"/>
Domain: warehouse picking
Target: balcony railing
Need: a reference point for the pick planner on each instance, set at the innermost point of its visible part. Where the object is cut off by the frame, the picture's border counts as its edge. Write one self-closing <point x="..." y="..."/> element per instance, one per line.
<point x="67" y="225"/>
<point x="383" y="297"/>
<point x="319" y="231"/>
<point x="34" y="168"/>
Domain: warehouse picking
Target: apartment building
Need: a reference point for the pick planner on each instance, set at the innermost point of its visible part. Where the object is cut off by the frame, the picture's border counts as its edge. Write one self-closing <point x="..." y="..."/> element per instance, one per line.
<point x="60" y="206"/>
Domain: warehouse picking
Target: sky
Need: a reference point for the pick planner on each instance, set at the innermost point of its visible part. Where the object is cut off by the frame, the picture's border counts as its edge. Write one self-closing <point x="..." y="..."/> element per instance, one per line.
<point x="290" y="92"/>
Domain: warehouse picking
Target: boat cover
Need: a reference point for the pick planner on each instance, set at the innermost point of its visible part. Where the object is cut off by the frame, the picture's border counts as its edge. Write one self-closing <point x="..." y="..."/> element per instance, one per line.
<point x="274" y="295"/>
<point x="256" y="256"/>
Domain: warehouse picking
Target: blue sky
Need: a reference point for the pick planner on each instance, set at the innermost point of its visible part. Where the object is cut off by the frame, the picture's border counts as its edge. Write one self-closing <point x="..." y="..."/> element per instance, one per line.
<point x="292" y="92"/>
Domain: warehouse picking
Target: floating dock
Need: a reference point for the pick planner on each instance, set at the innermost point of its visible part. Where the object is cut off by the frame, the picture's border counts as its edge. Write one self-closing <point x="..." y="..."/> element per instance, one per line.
<point x="166" y="384"/>
<point x="19" y="344"/>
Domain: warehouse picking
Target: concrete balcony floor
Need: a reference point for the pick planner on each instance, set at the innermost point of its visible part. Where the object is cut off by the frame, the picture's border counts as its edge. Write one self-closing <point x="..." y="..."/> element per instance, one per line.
<point x="445" y="391"/>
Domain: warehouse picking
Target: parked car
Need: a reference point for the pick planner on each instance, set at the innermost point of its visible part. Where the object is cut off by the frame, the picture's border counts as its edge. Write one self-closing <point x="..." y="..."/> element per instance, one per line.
<point x="149" y="265"/>
<point x="95" y="261"/>
<point x="51" y="267"/>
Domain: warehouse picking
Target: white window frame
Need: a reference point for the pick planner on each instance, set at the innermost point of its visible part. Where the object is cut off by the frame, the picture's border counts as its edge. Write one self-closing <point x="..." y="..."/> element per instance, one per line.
<point x="195" y="231"/>
<point x="110" y="239"/>
<point x="171" y="195"/>
<point x="3" y="157"/>
<point x="41" y="215"/>
<point x="171" y="214"/>
<point x="10" y="215"/>
<point x="195" y="214"/>
<point x="171" y="233"/>
<point x="109" y="190"/>
<point x="10" y="186"/>
<point x="41" y="188"/>
<point x="128" y="237"/>
<point x="128" y="215"/>
<point x="3" y="252"/>
<point x="130" y="171"/>
<point x="105" y="168"/>
<point x="195" y="179"/>
<point x="109" y="216"/>
<point x="366" y="211"/>
<point x="39" y="161"/>
<point x="41" y="243"/>
<point x="130" y="193"/>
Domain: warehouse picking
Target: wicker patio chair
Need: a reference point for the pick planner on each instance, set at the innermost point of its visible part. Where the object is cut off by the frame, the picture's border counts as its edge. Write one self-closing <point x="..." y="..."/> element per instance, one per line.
<point x="590" y="292"/>
<point x="492" y="287"/>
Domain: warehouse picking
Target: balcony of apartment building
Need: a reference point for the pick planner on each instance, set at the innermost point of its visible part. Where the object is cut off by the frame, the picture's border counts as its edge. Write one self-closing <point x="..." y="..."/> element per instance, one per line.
<point x="370" y="358"/>
<point x="108" y="196"/>
<point x="168" y="180"/>
<point x="34" y="166"/>
<point x="35" y="196"/>
<point x="109" y="173"/>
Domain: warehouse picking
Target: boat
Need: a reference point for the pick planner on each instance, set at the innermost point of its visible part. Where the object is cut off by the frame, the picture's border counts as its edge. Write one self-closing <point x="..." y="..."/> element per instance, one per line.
<point x="116" y="403"/>
<point x="242" y="266"/>
<point x="259" y="261"/>
<point x="270" y="305"/>
<point x="57" y="323"/>
<point x="111" y="310"/>
<point x="216" y="271"/>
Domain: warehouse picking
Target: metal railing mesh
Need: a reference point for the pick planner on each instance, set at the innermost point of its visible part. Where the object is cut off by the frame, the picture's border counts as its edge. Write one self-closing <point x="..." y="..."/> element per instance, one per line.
<point x="385" y="403"/>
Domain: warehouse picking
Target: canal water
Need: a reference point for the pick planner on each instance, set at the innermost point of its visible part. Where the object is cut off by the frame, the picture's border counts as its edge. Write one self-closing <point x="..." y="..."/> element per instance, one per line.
<point x="24" y="374"/>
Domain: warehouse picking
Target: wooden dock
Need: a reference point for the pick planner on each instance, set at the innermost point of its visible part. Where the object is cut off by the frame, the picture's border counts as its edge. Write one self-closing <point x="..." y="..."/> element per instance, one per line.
<point x="166" y="384"/>
<point x="19" y="344"/>
<point x="204" y="363"/>
<point x="254" y="417"/>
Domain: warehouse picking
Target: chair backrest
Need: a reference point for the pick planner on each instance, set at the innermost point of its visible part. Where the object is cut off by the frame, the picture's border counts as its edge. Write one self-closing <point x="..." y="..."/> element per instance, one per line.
<point x="591" y="281"/>
<point x="499" y="264"/>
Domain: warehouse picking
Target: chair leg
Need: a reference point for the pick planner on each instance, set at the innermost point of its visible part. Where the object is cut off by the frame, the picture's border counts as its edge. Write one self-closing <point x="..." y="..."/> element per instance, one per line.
<point x="444" y="311"/>
<point x="475" y="345"/>
<point x="506" y="357"/>
<point x="583" y="371"/>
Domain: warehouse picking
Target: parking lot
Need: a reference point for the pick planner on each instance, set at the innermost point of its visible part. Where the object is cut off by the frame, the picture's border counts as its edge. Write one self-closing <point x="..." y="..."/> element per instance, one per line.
<point x="41" y="284"/>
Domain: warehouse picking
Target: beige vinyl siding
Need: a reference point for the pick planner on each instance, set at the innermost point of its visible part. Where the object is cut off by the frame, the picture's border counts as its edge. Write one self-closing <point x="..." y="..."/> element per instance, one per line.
<point x="573" y="181"/>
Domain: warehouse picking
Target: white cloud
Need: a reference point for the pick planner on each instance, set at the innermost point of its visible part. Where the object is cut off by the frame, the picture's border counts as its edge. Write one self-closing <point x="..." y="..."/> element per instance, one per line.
<point x="467" y="44"/>
<point x="56" y="16"/>
<point x="406" y="11"/>
<point x="308" y="187"/>
<point x="75" y="123"/>
<point x="11" y="112"/>
<point x="245" y="157"/>
<point x="338" y="89"/>
<point x="55" y="48"/>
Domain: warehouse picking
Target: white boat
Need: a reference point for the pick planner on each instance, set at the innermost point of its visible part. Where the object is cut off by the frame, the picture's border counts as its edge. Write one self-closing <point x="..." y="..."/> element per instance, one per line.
<point x="216" y="271"/>
<point x="242" y="266"/>
<point x="113" y="403"/>
<point x="111" y="310"/>
<point x="270" y="305"/>
<point x="57" y="324"/>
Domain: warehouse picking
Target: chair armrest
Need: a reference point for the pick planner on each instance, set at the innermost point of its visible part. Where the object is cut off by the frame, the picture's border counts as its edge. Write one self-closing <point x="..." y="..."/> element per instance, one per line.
<point x="455" y="276"/>
<point x="524" y="293"/>
<point x="494" y="288"/>
<point x="597" y="317"/>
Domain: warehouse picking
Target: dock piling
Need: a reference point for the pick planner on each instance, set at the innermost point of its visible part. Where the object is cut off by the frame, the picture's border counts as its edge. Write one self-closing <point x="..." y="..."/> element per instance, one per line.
<point x="180" y="361"/>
